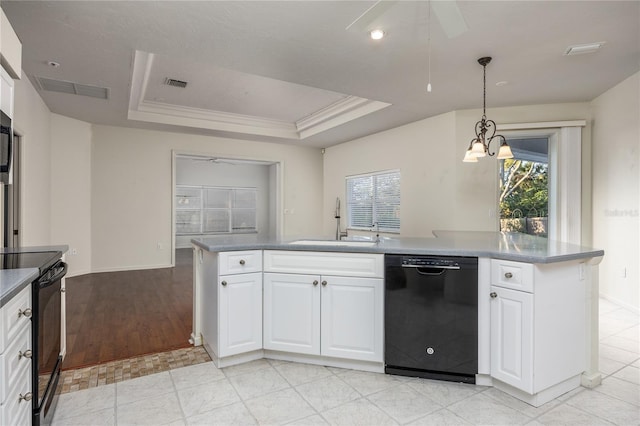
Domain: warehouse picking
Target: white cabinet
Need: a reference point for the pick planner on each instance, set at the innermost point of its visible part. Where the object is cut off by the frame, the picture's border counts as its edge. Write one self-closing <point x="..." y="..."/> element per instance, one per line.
<point x="15" y="360"/>
<point x="292" y="313"/>
<point x="352" y="318"/>
<point x="6" y="93"/>
<point x="538" y="324"/>
<point x="231" y="303"/>
<point x="321" y="314"/>
<point x="512" y="337"/>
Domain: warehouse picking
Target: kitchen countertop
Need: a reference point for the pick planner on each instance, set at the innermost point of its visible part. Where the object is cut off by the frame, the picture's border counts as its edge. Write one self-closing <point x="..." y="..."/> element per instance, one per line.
<point x="496" y="245"/>
<point x="12" y="281"/>
<point x="33" y="249"/>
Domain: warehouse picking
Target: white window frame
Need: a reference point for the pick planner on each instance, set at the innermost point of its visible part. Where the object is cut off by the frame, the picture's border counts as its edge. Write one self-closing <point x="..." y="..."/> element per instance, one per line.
<point x="201" y="208"/>
<point x="374" y="204"/>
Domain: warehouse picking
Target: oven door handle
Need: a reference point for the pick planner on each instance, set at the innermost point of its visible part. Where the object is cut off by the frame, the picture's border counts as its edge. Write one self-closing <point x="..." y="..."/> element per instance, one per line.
<point x="60" y="269"/>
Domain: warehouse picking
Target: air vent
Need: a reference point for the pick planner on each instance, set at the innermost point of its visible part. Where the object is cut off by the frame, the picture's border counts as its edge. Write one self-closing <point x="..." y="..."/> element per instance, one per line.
<point x="581" y="49"/>
<point x="175" y="83"/>
<point x="72" y="88"/>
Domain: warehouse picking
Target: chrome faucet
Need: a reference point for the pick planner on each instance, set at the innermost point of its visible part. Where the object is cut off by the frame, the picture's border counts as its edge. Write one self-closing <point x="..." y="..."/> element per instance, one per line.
<point x="339" y="233"/>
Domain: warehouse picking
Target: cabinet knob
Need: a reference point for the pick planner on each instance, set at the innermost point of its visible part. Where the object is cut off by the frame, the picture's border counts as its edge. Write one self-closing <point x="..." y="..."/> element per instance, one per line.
<point x="315" y="282"/>
<point x="224" y="283"/>
<point x="242" y="262"/>
<point x="26" y="354"/>
<point x="26" y="397"/>
<point x="493" y="294"/>
<point x="63" y="290"/>
<point x="324" y="283"/>
<point x="27" y="312"/>
<point x="508" y="275"/>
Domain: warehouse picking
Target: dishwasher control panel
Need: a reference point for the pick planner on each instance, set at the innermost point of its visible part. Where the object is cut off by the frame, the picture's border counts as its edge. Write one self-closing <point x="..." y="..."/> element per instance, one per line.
<point x="428" y="262"/>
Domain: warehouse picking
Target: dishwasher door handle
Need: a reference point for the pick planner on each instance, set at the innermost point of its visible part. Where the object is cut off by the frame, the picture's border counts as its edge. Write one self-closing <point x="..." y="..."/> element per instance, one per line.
<point x="455" y="268"/>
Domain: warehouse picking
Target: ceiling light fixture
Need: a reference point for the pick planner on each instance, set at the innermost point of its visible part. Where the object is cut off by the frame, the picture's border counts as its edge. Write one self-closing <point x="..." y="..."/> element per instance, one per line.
<point x="376" y="34"/>
<point x="486" y="129"/>
<point x="429" y="44"/>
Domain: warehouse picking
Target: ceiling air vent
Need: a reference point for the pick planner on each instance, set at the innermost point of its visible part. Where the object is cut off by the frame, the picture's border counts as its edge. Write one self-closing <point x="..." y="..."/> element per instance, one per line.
<point x="175" y="83"/>
<point x="72" y="88"/>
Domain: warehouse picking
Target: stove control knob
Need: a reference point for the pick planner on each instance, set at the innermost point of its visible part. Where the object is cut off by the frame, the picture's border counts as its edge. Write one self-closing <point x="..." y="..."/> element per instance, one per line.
<point x="430" y="351"/>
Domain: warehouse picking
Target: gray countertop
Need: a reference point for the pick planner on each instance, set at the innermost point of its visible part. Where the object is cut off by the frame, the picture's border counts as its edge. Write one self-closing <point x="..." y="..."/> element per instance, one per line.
<point x="33" y="249"/>
<point x="497" y="245"/>
<point x="12" y="281"/>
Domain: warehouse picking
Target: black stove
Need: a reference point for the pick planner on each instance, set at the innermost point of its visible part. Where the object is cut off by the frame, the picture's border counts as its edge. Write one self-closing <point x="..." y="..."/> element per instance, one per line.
<point x="46" y="300"/>
<point x="42" y="260"/>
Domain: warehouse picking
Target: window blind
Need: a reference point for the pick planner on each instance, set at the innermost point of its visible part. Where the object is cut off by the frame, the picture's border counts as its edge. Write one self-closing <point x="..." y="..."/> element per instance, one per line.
<point x="374" y="198"/>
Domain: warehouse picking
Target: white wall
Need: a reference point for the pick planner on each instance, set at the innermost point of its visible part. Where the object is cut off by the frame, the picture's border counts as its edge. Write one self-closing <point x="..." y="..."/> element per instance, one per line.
<point x="71" y="190"/>
<point x="616" y="188"/>
<point x="32" y="122"/>
<point x="131" y="190"/>
<point x="421" y="152"/>
<point x="438" y="190"/>
<point x="206" y="173"/>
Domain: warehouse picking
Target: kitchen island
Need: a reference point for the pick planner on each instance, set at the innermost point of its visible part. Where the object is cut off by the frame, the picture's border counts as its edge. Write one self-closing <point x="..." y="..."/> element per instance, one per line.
<point x="537" y="305"/>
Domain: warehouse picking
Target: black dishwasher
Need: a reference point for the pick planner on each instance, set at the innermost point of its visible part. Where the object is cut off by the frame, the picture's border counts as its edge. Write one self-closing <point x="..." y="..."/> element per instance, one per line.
<point x="431" y="317"/>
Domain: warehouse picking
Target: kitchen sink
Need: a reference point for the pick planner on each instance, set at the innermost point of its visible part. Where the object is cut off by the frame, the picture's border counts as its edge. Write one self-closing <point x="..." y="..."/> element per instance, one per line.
<point x="335" y="243"/>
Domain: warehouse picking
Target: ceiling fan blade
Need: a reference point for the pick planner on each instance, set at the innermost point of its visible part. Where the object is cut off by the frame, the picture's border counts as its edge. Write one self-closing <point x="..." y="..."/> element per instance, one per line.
<point x="368" y="16"/>
<point x="450" y="17"/>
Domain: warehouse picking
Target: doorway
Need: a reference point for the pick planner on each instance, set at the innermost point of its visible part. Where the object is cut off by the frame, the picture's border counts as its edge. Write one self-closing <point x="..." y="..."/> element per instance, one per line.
<point x="523" y="201"/>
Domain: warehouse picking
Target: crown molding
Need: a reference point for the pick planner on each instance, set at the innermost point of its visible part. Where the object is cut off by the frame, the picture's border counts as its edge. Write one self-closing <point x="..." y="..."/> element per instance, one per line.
<point x="343" y="111"/>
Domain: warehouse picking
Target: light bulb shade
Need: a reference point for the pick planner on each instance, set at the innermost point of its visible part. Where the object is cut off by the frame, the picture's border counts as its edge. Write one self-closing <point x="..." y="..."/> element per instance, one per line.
<point x="469" y="157"/>
<point x="504" y="152"/>
<point x="477" y="149"/>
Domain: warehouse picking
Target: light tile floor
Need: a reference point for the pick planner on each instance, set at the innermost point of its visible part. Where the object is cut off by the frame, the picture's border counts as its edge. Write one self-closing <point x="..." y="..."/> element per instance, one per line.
<point x="275" y="393"/>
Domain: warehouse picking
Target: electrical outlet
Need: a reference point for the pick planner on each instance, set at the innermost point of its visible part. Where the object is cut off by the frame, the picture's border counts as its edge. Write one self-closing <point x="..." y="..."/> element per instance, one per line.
<point x="623" y="272"/>
<point x="159" y="246"/>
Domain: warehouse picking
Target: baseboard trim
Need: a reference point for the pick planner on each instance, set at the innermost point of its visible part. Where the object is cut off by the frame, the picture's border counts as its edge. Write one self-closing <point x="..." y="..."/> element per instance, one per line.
<point x="620" y="303"/>
<point x="131" y="268"/>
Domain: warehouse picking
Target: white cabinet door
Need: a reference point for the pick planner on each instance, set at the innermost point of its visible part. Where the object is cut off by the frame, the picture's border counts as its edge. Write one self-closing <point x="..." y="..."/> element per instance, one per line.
<point x="512" y="337"/>
<point x="240" y="307"/>
<point x="352" y="318"/>
<point x="292" y="313"/>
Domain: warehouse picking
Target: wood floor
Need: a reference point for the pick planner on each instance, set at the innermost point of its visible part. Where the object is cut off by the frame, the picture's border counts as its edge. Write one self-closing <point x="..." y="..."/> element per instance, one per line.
<point x="118" y="315"/>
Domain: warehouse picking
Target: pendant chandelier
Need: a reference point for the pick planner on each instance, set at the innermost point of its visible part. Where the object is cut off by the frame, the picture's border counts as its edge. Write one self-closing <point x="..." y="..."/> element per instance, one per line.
<point x="486" y="130"/>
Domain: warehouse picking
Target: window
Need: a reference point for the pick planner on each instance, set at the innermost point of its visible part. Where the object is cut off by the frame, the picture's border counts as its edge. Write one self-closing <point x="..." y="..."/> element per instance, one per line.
<point x="524" y="187"/>
<point x="215" y="210"/>
<point x="374" y="198"/>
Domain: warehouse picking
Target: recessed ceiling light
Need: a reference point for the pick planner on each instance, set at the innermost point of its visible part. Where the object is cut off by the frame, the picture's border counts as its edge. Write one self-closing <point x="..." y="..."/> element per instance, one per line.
<point x="376" y="34"/>
<point x="580" y="49"/>
<point x="502" y="83"/>
<point x="53" y="64"/>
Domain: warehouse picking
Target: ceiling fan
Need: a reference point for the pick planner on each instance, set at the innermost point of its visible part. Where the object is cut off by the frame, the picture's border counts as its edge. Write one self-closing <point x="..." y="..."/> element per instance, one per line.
<point x="447" y="12"/>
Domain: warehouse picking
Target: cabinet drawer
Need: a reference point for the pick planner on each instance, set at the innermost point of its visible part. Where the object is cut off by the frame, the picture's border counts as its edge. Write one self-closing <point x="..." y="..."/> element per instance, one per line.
<point x="16" y="411"/>
<point x="240" y="262"/>
<point x="13" y="317"/>
<point x="325" y="263"/>
<point x="513" y="275"/>
<point x="13" y="364"/>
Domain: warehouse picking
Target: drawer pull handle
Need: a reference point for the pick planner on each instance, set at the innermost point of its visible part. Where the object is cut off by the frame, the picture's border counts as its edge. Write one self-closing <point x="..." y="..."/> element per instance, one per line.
<point x="324" y="283"/>
<point x="27" y="354"/>
<point x="315" y="282"/>
<point x="26" y="397"/>
<point x="242" y="262"/>
<point x="493" y="294"/>
<point x="508" y="275"/>
<point x="27" y="313"/>
<point x="224" y="283"/>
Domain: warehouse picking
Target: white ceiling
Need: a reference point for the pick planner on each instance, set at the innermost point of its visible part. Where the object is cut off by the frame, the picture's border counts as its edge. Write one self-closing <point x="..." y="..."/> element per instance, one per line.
<point x="287" y="65"/>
